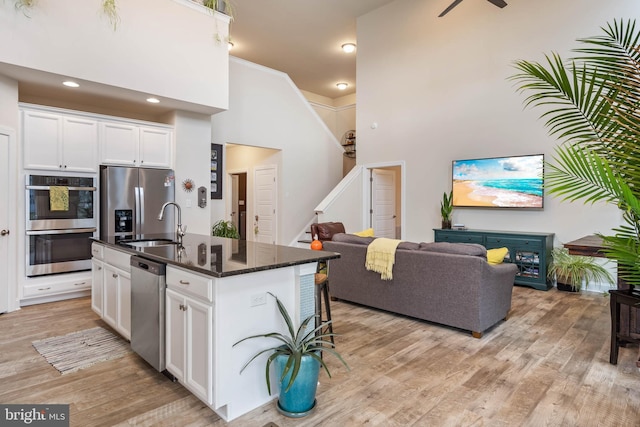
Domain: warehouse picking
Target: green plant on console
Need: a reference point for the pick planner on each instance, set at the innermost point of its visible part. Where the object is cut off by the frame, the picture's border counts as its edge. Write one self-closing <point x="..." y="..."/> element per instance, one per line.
<point x="572" y="270"/>
<point x="292" y="349"/>
<point x="224" y="228"/>
<point x="591" y="105"/>
<point x="446" y="208"/>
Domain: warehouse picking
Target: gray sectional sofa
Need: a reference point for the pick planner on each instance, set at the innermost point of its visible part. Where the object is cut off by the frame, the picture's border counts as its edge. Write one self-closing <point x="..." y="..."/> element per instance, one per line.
<point x="447" y="283"/>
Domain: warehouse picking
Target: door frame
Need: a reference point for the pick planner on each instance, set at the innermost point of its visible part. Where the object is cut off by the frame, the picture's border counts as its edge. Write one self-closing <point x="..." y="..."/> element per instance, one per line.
<point x="229" y="191"/>
<point x="367" y="188"/>
<point x="12" y="223"/>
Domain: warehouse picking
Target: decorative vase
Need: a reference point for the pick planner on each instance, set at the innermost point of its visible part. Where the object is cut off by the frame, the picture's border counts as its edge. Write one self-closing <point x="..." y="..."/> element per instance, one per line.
<point x="446" y="224"/>
<point x="300" y="399"/>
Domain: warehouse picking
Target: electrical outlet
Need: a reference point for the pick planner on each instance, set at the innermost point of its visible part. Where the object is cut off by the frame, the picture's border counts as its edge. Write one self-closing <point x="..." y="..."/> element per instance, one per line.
<point x="258" y="299"/>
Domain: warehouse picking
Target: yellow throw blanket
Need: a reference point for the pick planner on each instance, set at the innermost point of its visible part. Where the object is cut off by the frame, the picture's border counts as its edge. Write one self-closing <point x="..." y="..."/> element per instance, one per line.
<point x="58" y="198"/>
<point x="381" y="255"/>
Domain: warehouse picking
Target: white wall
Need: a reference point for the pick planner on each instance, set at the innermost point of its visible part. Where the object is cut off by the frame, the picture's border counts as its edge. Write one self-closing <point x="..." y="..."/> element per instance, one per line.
<point x="438" y="90"/>
<point x="267" y="110"/>
<point x="193" y="145"/>
<point x="159" y="47"/>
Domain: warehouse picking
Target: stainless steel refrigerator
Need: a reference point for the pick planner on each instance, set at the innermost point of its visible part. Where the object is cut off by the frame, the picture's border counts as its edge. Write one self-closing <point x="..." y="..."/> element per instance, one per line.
<point x="131" y="199"/>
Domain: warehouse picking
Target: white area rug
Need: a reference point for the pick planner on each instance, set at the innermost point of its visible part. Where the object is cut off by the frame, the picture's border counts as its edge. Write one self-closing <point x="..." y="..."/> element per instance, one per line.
<point x="82" y="349"/>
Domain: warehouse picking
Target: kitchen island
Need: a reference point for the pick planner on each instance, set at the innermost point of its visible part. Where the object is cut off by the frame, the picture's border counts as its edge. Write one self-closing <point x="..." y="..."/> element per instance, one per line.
<point x="217" y="292"/>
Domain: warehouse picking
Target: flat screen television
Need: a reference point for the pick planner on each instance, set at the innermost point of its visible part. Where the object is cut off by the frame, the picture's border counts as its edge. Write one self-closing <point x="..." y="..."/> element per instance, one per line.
<point x="499" y="182"/>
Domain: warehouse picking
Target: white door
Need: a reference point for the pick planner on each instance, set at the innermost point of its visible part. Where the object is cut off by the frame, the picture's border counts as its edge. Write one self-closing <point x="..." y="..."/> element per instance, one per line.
<point x="383" y="203"/>
<point x="265" y="203"/>
<point x="7" y="220"/>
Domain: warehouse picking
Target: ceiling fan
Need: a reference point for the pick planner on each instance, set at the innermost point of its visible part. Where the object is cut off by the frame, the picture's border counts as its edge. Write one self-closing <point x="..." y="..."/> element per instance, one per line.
<point x="499" y="3"/>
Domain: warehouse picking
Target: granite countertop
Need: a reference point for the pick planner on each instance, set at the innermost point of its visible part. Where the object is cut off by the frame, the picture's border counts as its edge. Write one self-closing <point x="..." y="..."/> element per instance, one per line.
<point x="219" y="256"/>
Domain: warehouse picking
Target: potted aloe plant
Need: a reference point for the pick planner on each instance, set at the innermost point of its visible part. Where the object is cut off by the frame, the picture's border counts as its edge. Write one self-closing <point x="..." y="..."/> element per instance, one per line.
<point x="570" y="271"/>
<point x="298" y="358"/>
<point x="446" y="208"/>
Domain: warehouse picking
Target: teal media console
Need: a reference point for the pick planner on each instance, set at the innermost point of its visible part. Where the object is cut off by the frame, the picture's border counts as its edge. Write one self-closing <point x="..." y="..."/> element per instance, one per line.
<point x="531" y="252"/>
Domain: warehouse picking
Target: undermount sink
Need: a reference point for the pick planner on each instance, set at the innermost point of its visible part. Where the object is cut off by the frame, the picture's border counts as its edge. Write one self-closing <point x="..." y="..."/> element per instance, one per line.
<point x="148" y="243"/>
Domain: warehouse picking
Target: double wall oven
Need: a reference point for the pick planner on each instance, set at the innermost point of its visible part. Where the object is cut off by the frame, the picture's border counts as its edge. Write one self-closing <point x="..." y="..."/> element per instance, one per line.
<point x="61" y="218"/>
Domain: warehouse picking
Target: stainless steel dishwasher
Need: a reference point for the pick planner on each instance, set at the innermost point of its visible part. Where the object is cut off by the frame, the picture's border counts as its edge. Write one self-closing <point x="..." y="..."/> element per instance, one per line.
<point x="148" y="288"/>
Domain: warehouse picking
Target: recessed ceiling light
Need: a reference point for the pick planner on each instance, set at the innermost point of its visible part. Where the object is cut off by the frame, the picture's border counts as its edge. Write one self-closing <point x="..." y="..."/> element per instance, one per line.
<point x="69" y="83"/>
<point x="342" y="86"/>
<point x="153" y="100"/>
<point x="349" y="47"/>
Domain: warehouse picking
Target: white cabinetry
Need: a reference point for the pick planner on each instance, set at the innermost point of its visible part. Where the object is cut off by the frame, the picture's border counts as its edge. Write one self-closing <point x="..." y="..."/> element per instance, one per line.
<point x="189" y="333"/>
<point x="97" y="280"/>
<point x="133" y="145"/>
<point x="56" y="141"/>
<point x="111" y="289"/>
<point x="54" y="288"/>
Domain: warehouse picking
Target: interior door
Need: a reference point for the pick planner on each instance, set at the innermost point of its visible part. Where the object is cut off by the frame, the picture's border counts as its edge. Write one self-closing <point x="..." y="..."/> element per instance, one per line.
<point x="235" y="208"/>
<point x="383" y="203"/>
<point x="265" y="203"/>
<point x="7" y="219"/>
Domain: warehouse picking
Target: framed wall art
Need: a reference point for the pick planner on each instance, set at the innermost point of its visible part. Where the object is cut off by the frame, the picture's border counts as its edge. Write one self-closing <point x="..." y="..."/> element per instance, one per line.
<point x="216" y="171"/>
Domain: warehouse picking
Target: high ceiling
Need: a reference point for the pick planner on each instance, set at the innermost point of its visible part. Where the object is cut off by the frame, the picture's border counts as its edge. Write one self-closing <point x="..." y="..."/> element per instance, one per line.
<point x="301" y="38"/>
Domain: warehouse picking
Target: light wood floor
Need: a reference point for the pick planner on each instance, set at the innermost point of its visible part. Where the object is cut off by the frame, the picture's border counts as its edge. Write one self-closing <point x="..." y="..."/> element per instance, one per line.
<point x="547" y="365"/>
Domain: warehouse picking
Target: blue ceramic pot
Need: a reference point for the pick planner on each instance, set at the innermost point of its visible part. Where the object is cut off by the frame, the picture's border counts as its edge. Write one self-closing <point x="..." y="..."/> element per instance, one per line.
<point x="300" y="398"/>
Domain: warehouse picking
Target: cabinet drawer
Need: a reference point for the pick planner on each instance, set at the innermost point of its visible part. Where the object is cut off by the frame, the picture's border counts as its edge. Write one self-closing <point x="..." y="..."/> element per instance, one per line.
<point x="117" y="259"/>
<point x="43" y="289"/>
<point x="459" y="238"/>
<point x="497" y="242"/>
<point x="190" y="283"/>
<point x="97" y="251"/>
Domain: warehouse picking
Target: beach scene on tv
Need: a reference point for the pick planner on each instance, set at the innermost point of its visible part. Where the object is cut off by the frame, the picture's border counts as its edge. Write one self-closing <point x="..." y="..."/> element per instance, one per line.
<point x="506" y="182"/>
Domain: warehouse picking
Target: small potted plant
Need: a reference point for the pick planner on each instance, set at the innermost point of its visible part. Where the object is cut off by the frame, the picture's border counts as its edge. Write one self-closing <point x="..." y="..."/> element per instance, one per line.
<point x="224" y="228"/>
<point x="570" y="271"/>
<point x="446" y="208"/>
<point x="297" y="358"/>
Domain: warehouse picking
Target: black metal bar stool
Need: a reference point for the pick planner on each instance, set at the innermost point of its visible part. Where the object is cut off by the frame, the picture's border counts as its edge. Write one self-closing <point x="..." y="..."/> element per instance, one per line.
<point x="322" y="292"/>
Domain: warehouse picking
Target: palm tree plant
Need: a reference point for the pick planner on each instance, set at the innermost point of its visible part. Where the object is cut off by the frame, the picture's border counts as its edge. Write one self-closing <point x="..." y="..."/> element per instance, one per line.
<point x="591" y="104"/>
<point x="298" y="358"/>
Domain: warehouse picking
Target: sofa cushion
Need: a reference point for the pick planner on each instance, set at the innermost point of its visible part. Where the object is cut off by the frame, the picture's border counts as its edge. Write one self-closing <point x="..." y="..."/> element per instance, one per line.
<point x="365" y="233"/>
<point x="411" y="246"/>
<point x="352" y="238"/>
<point x="472" y="249"/>
<point x="496" y="256"/>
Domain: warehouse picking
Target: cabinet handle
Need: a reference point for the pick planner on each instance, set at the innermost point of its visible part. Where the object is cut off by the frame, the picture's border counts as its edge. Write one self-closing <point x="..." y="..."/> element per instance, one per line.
<point x="44" y="289"/>
<point x="79" y="284"/>
<point x="114" y="275"/>
<point x="184" y="282"/>
<point x="60" y="166"/>
<point x="99" y="268"/>
<point x="183" y="307"/>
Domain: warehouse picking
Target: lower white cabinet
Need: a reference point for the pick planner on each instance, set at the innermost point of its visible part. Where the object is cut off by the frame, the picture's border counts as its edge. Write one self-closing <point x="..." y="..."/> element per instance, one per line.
<point x="189" y="343"/>
<point x="111" y="288"/>
<point x="97" y="279"/>
<point x="116" y="309"/>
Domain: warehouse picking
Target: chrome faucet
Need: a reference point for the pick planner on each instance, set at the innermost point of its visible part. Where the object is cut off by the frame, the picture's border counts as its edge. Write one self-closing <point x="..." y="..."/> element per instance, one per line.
<point x="181" y="230"/>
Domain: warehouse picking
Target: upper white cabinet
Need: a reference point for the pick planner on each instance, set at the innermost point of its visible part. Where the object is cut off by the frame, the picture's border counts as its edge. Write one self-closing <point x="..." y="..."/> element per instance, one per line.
<point x="64" y="140"/>
<point x="133" y="145"/>
<point x="55" y="141"/>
